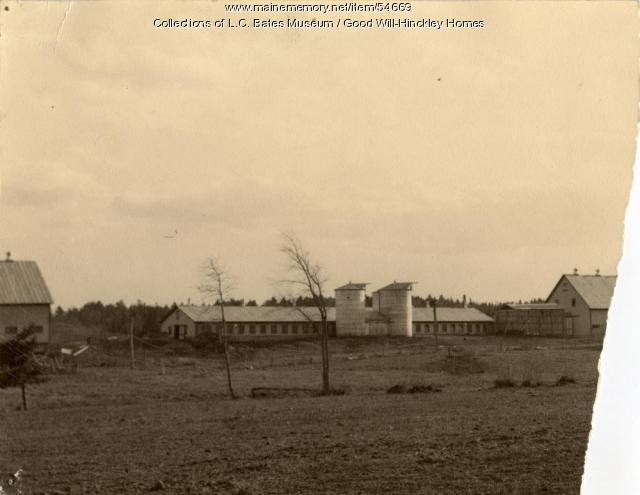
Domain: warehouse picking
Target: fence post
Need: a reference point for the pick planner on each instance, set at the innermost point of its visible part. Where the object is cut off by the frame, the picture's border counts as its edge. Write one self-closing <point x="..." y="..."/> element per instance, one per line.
<point x="133" y="357"/>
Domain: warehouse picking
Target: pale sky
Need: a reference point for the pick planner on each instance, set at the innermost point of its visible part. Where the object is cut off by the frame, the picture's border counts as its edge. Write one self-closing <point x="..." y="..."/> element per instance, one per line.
<point x="479" y="162"/>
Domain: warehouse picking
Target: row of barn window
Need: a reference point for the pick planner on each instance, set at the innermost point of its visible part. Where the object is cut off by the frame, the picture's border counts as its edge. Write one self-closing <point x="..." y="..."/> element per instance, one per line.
<point x="260" y="328"/>
<point x="450" y="328"/>
<point x="307" y="328"/>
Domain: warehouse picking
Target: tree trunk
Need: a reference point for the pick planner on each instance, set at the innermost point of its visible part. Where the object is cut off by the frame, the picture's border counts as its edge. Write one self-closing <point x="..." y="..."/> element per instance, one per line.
<point x="23" y="387"/>
<point x="324" y="345"/>
<point x="225" y="345"/>
<point x="227" y="362"/>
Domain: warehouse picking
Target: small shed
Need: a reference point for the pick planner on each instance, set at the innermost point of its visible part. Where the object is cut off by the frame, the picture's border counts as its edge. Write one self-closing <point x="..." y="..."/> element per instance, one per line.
<point x="546" y="319"/>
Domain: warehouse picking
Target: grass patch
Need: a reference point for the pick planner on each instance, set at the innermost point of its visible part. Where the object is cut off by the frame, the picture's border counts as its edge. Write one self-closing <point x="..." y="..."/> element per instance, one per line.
<point x="460" y="363"/>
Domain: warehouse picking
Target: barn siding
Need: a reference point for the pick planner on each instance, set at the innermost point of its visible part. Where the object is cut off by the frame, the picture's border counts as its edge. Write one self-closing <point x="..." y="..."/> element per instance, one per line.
<point x="178" y="317"/>
<point x="563" y="295"/>
<point x="20" y="316"/>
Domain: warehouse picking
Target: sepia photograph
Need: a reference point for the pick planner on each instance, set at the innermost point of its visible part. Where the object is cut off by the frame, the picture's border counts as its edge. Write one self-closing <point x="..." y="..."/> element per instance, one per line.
<point x="317" y="247"/>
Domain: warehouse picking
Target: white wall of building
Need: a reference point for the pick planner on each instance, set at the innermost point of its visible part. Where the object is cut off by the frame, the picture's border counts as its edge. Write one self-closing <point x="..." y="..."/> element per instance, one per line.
<point x="569" y="299"/>
<point x="350" y="312"/>
<point x="396" y="304"/>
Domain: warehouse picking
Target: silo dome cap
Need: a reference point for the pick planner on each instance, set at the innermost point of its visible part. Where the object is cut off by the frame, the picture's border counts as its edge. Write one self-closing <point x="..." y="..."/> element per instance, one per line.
<point x="399" y="286"/>
<point x="353" y="286"/>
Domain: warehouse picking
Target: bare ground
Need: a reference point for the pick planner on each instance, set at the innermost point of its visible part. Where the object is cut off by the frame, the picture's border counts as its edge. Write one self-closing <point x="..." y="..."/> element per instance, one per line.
<point x="113" y="430"/>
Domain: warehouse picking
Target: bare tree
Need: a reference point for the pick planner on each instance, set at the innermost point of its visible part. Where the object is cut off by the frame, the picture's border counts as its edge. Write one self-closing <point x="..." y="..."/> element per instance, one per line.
<point x="307" y="276"/>
<point x="218" y="285"/>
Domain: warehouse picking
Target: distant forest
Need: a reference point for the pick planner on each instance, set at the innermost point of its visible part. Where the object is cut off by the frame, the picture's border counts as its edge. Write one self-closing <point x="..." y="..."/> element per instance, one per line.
<point x="116" y="317"/>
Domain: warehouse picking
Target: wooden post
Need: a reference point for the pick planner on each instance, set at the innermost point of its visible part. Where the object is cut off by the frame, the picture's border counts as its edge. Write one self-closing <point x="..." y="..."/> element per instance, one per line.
<point x="24" y="396"/>
<point x="133" y="357"/>
<point x="435" y="323"/>
<point x="504" y="335"/>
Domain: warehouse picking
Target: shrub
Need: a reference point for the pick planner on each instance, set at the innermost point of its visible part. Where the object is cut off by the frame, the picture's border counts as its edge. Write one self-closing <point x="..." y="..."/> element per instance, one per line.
<point x="414" y="389"/>
<point x="207" y="341"/>
<point x="178" y="348"/>
<point x="504" y="383"/>
<point x="530" y="383"/>
<point x="17" y="364"/>
<point x="565" y="380"/>
<point x="423" y="389"/>
<point x="283" y="392"/>
<point x="397" y="389"/>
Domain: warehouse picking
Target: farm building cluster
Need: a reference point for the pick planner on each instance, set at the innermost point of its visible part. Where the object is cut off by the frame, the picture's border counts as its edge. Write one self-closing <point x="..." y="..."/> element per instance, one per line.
<point x="390" y="314"/>
<point x="576" y="306"/>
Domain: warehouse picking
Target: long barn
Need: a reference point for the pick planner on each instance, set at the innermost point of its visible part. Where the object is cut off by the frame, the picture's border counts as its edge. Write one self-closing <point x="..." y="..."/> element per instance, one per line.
<point x="244" y="322"/>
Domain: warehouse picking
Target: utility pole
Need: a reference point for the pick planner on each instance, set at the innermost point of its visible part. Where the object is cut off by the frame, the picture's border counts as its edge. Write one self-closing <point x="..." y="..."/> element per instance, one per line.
<point x="435" y="323"/>
<point x="133" y="357"/>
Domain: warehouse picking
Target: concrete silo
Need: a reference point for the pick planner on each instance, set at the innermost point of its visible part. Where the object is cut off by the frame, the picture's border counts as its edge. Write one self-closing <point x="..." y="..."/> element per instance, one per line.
<point x="394" y="301"/>
<point x="350" y="312"/>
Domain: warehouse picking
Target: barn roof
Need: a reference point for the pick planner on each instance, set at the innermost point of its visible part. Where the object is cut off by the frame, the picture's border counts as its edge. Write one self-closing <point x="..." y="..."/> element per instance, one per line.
<point x="398" y="286"/>
<point x="275" y="314"/>
<point x="353" y="286"/>
<point x="247" y="314"/>
<point x="22" y="283"/>
<point x="528" y="306"/>
<point x="451" y="315"/>
<point x="596" y="290"/>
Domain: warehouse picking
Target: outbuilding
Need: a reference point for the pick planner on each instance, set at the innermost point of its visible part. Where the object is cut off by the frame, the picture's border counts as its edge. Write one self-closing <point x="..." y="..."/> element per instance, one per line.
<point x="547" y="319"/>
<point x="585" y="300"/>
<point x="245" y="322"/>
<point x="25" y="300"/>
<point x="450" y="321"/>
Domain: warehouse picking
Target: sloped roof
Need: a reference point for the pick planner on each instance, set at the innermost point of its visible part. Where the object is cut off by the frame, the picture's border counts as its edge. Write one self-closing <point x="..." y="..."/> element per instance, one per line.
<point x="451" y="315"/>
<point x="274" y="314"/>
<point x="247" y="314"/>
<point x="353" y="286"/>
<point x="22" y="283"/>
<point x="531" y="306"/>
<point x="596" y="290"/>
<point x="398" y="286"/>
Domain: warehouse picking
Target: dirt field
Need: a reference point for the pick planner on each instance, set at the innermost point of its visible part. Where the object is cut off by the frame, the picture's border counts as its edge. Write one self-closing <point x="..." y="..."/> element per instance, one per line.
<point x="108" y="429"/>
